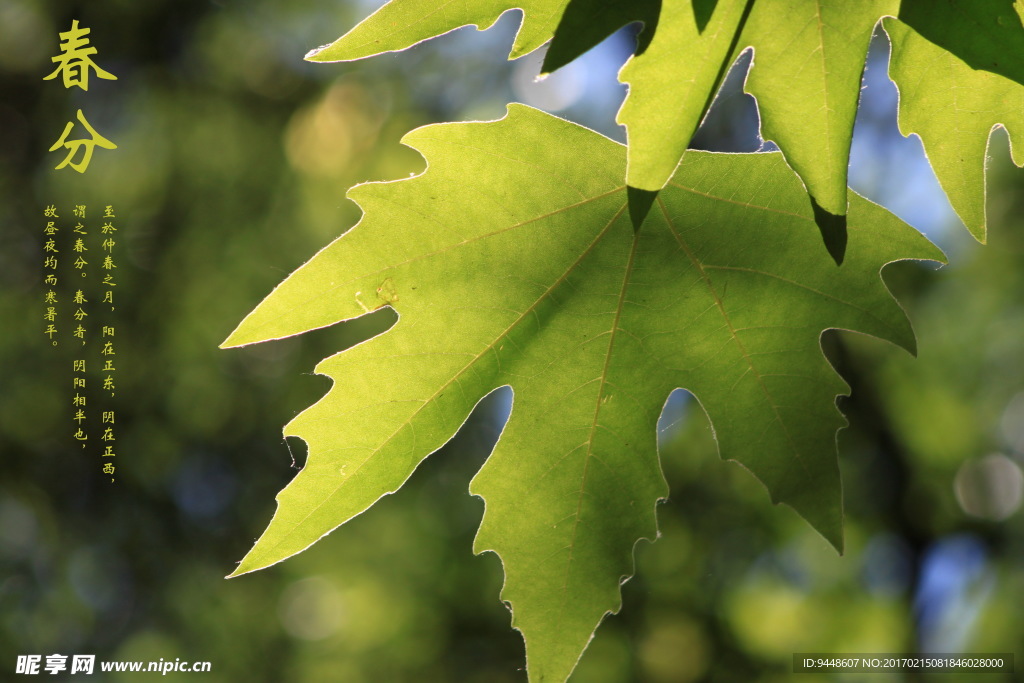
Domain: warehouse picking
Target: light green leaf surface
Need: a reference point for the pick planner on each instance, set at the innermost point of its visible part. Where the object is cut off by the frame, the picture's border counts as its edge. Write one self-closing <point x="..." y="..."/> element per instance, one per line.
<point x="806" y="76"/>
<point x="672" y="84"/>
<point x="953" y="108"/>
<point x="807" y="86"/>
<point x="985" y="34"/>
<point x="400" y="24"/>
<point x="512" y="261"/>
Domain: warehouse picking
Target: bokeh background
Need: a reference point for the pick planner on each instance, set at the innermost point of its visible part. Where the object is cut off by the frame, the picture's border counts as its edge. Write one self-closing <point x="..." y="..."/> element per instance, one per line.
<point x="233" y="161"/>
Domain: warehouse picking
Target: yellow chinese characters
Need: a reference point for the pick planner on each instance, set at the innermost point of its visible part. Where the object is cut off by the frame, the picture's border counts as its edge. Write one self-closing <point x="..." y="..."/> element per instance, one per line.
<point x="75" y="60"/>
<point x="86" y="144"/>
<point x="75" y="64"/>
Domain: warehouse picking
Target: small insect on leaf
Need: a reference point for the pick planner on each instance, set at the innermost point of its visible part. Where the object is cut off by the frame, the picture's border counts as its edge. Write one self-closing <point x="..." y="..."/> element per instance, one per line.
<point x="387" y="292"/>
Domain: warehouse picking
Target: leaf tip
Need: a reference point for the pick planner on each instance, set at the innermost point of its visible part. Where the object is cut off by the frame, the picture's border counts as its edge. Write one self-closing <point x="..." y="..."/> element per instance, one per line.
<point x="831" y="529"/>
<point x="234" y="340"/>
<point x="832" y="526"/>
<point x="325" y="53"/>
<point x="825" y="517"/>
<point x="640" y="202"/>
<point x="833" y="231"/>
<point x="239" y="569"/>
<point x="252" y="562"/>
<point x="838" y="541"/>
<point x="311" y="56"/>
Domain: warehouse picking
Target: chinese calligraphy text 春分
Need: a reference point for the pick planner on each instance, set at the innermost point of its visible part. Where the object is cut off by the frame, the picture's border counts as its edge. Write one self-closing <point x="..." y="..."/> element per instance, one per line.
<point x="77" y="306"/>
<point x="75" y="64"/>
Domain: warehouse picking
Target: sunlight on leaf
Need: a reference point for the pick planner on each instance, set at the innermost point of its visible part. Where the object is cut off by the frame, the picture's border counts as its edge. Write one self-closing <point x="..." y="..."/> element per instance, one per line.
<point x="529" y="274"/>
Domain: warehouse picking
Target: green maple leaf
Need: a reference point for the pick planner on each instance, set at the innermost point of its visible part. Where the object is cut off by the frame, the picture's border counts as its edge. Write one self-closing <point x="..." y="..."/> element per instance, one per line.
<point x="806" y="75"/>
<point x="808" y="59"/>
<point x="953" y="108"/>
<point x="510" y="262"/>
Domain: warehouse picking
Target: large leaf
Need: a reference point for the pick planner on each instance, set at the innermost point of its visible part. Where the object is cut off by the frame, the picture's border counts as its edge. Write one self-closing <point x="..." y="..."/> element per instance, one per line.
<point x="806" y="76"/>
<point x="953" y="108"/>
<point x="510" y="262"/>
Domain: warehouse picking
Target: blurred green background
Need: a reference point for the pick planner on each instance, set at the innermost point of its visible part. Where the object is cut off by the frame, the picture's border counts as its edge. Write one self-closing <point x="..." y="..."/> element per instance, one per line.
<point x="232" y="164"/>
